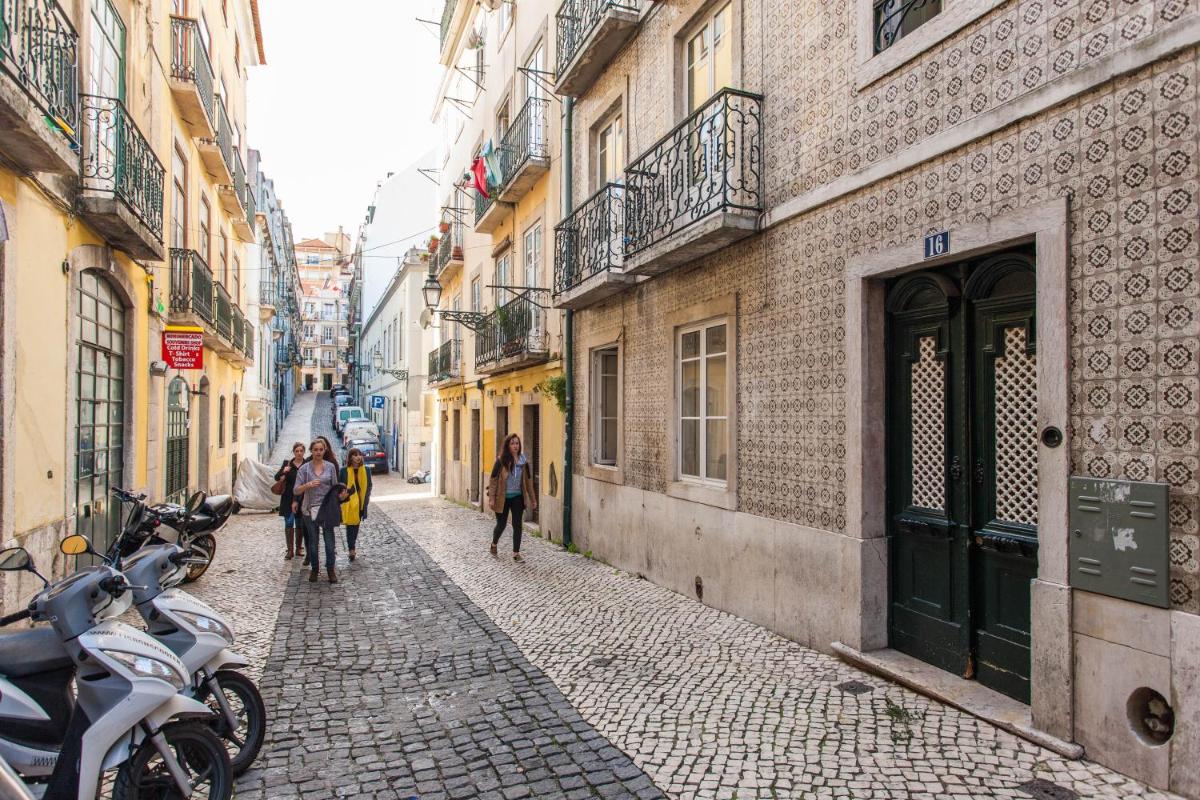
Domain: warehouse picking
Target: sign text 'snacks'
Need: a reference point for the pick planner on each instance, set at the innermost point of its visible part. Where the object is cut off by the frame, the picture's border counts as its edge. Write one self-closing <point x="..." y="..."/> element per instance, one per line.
<point x="183" y="347"/>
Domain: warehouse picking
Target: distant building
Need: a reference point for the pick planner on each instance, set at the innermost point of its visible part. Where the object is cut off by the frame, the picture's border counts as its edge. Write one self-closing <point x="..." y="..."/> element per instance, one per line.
<point x="325" y="270"/>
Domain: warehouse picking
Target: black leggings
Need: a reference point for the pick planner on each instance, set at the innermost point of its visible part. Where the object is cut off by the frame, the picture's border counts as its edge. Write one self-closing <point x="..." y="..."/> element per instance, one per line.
<point x="515" y="506"/>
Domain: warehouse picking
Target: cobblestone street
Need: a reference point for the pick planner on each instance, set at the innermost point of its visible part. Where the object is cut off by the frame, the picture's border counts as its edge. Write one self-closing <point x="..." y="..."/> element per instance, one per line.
<point x="435" y="671"/>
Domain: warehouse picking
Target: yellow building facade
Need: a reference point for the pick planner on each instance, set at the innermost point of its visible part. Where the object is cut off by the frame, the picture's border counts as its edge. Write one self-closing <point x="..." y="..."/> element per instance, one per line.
<point x="499" y="357"/>
<point x="121" y="178"/>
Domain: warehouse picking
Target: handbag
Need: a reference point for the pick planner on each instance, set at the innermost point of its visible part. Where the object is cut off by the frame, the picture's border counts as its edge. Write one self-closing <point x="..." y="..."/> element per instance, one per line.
<point x="277" y="486"/>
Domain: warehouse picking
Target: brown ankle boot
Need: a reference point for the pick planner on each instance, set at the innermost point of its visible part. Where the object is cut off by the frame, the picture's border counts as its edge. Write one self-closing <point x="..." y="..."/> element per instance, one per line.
<point x="312" y="576"/>
<point x="290" y="535"/>
<point x="332" y="576"/>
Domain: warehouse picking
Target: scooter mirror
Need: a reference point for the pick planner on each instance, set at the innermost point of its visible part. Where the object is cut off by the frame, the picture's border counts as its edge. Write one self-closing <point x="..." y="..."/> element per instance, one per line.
<point x="194" y="502"/>
<point x="14" y="559"/>
<point x="75" y="545"/>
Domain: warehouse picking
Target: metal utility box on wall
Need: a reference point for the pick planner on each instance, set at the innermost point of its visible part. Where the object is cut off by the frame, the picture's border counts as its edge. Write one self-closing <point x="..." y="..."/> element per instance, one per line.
<point x="1119" y="539"/>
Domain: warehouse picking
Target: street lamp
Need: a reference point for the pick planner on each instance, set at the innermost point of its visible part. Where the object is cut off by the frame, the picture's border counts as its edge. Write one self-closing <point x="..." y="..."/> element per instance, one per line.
<point x="432" y="292"/>
<point x="398" y="374"/>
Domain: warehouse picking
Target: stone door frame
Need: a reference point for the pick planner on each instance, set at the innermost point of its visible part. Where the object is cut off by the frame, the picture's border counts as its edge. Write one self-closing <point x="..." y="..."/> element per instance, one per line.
<point x="1047" y="226"/>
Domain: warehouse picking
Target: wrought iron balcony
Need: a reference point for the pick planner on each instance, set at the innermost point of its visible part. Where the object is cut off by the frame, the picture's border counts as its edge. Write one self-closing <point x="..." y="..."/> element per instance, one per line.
<point x="513" y="335"/>
<point x="590" y="32"/>
<point x="589" y="250"/>
<point x="192" y="77"/>
<point x="445" y="363"/>
<point x="524" y="150"/>
<point x="39" y="121"/>
<point x="191" y="288"/>
<point x="237" y="331"/>
<point x="222" y="312"/>
<point x="122" y="179"/>
<point x="235" y="199"/>
<point x="698" y="189"/>
<point x="217" y="151"/>
<point x="489" y="213"/>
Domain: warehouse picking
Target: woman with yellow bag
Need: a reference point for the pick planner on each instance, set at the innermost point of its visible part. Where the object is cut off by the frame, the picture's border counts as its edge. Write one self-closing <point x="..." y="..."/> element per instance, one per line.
<point x="357" y="479"/>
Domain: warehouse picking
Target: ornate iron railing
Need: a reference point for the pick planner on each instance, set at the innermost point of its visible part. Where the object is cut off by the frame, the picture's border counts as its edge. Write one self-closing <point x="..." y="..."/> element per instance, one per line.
<point x="711" y="162"/>
<point x="249" y="204"/>
<point x="191" y="284"/>
<point x="576" y="20"/>
<point x="118" y="160"/>
<point x="516" y="328"/>
<point x="238" y="170"/>
<point x="237" y="327"/>
<point x="189" y="62"/>
<point x="248" y="340"/>
<point x="38" y="49"/>
<point x="222" y="311"/>
<point x="442" y="257"/>
<point x="224" y="138"/>
<point x="447" y="17"/>
<point x="895" y="19"/>
<point x="591" y="240"/>
<point x="266" y="292"/>
<point x="524" y="139"/>
<point x="482" y="204"/>
<point x="446" y="361"/>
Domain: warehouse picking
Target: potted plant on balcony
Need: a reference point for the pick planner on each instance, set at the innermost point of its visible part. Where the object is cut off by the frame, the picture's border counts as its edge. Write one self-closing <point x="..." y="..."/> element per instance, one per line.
<point x="433" y="244"/>
<point x="444" y="226"/>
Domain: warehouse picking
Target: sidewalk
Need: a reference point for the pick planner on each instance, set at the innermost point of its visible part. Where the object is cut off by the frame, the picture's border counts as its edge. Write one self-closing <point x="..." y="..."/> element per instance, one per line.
<point x="297" y="427"/>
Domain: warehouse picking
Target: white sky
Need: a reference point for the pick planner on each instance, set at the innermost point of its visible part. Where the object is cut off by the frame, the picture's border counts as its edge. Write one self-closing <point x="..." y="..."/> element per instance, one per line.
<point x="345" y="97"/>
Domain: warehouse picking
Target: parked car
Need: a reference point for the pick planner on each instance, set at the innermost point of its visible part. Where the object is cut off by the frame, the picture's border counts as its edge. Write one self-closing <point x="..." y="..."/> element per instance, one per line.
<point x="359" y="429"/>
<point x="373" y="454"/>
<point x="339" y="387"/>
<point x="342" y="400"/>
<point x="345" y="414"/>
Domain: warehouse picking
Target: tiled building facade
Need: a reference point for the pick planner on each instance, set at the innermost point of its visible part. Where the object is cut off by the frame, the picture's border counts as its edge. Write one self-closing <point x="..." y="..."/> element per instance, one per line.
<point x="1059" y="132"/>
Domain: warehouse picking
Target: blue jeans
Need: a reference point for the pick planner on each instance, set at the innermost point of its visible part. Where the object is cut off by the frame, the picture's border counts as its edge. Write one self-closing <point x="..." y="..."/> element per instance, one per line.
<point x="310" y="539"/>
<point x="289" y="520"/>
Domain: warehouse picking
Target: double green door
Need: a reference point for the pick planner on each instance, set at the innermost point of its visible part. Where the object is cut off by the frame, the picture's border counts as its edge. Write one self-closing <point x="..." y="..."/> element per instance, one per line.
<point x="962" y="468"/>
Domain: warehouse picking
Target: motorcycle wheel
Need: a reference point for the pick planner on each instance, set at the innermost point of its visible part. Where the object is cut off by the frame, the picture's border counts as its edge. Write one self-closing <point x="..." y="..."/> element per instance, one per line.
<point x="198" y="750"/>
<point x="203" y="546"/>
<point x="247" y="704"/>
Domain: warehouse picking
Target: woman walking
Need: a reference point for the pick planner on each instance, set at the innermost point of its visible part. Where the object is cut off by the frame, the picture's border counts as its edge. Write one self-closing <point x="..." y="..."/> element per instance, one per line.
<point x="316" y="486"/>
<point x="291" y="528"/>
<point x="510" y="491"/>
<point x="357" y="479"/>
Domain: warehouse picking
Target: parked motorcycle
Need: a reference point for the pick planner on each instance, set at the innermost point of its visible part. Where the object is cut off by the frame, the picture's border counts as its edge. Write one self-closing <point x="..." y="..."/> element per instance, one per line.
<point x="192" y="528"/>
<point x="191" y="629"/>
<point x="126" y="711"/>
<point x="11" y="785"/>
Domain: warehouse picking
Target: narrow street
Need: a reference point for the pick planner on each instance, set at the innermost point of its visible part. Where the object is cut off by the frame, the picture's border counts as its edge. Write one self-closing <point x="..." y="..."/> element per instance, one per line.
<point x="432" y="670"/>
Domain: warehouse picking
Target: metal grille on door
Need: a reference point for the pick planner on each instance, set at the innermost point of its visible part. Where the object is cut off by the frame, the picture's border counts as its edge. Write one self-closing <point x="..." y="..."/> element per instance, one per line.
<point x="929" y="427"/>
<point x="1016" y="430"/>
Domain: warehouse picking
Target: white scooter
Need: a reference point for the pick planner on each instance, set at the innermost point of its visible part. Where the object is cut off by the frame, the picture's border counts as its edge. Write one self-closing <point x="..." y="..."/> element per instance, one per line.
<point x="201" y="637"/>
<point x="127" y="712"/>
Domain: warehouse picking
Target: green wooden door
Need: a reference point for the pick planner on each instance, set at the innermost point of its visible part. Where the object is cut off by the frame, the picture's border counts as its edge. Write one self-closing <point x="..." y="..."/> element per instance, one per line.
<point x="962" y="468"/>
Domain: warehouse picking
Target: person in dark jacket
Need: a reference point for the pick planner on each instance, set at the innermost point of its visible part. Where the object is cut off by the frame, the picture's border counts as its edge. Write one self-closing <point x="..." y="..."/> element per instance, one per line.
<point x="357" y="479"/>
<point x="291" y="530"/>
<point x="319" y="498"/>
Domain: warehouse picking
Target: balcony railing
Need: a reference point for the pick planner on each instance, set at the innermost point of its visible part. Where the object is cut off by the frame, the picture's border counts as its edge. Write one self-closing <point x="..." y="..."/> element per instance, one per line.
<point x="447" y="17"/>
<point x="191" y="284"/>
<point x="712" y="162"/>
<point x="251" y="209"/>
<point x="118" y="160"/>
<point x="222" y="312"/>
<point x="266" y="293"/>
<point x="524" y="139"/>
<point x="446" y="361"/>
<point x="442" y="257"/>
<point x="189" y="62"/>
<point x="577" y="19"/>
<point x="517" y="328"/>
<point x="482" y="204"/>
<point x="38" y="49"/>
<point x="237" y="328"/>
<point x="591" y="240"/>
<point x="248" y="340"/>
<point x="224" y="135"/>
<point x="238" y="170"/>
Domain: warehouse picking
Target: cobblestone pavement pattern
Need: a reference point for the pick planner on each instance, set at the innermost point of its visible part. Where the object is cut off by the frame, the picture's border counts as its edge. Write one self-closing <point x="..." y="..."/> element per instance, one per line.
<point x="392" y="684"/>
<point x="712" y="706"/>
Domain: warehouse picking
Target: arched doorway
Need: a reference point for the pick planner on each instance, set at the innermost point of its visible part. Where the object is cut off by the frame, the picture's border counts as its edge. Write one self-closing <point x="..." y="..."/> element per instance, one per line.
<point x="205" y="432"/>
<point x="100" y="408"/>
<point x="177" y="441"/>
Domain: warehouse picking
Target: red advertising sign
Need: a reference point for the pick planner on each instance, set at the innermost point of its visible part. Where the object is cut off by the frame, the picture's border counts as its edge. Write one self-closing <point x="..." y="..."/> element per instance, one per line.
<point x="183" y="348"/>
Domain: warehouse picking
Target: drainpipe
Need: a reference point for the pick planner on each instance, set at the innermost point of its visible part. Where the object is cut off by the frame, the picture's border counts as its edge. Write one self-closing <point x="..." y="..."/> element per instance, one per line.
<point x="568" y="167"/>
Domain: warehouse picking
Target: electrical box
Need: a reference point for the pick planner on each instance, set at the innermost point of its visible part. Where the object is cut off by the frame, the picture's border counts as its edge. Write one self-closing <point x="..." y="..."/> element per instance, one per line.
<point x="1119" y="539"/>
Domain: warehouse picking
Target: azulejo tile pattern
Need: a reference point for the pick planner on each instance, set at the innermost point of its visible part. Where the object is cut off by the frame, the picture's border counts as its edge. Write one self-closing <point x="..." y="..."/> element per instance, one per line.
<point x="1125" y="154"/>
<point x="709" y="705"/>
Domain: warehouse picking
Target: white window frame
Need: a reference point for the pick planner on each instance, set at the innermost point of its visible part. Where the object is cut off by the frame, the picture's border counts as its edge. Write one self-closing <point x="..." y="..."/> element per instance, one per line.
<point x="599" y="413"/>
<point x="705" y="28"/>
<point x="613" y="122"/>
<point x="955" y="15"/>
<point x="703" y="418"/>
<point x="531" y="244"/>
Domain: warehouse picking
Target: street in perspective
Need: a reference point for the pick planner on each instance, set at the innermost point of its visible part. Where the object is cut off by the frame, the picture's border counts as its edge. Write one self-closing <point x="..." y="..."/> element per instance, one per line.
<point x="680" y="399"/>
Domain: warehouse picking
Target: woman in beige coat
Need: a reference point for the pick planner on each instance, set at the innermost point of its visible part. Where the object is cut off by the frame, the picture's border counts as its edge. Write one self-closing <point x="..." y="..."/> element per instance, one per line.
<point x="510" y="491"/>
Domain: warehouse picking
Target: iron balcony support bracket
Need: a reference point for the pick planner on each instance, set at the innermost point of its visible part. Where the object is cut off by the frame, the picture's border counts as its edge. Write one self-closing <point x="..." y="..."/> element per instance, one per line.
<point x="469" y="319"/>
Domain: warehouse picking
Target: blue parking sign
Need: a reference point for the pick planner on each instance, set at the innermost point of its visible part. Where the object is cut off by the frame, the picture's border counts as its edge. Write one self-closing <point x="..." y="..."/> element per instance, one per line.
<point x="377" y="401"/>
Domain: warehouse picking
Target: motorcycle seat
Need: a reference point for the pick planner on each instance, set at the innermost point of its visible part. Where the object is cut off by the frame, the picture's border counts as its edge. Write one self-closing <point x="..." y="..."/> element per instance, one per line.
<point x="31" y="652"/>
<point x="219" y="505"/>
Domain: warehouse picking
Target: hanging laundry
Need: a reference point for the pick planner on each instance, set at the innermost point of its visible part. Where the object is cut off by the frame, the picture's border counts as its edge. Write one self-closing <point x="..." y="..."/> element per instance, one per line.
<point x="479" y="177"/>
<point x="491" y="158"/>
